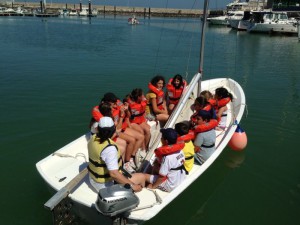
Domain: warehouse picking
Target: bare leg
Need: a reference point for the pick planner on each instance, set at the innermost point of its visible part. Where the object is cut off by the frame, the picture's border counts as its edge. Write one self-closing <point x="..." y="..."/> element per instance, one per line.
<point x="130" y="145"/>
<point x="139" y="138"/>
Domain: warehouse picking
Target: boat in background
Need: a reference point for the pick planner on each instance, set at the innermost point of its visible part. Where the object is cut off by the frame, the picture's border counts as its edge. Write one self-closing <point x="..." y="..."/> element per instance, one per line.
<point x="65" y="170"/>
<point x="235" y="9"/>
<point x="240" y="21"/>
<point x="133" y="20"/>
<point x="73" y="12"/>
<point x="272" y="22"/>
<point x="298" y="29"/>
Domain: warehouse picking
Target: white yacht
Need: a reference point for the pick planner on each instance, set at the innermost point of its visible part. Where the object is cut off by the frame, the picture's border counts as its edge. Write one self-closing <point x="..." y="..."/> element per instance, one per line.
<point x="273" y="22"/>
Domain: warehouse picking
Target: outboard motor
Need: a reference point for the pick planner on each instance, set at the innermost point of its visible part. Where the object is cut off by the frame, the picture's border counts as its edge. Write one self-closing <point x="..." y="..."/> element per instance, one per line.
<point x="116" y="199"/>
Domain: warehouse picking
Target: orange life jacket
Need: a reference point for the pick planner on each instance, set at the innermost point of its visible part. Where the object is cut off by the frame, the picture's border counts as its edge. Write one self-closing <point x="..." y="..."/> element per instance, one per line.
<point x="137" y="111"/>
<point x="159" y="96"/>
<point x="116" y="114"/>
<point x="206" y="126"/>
<point x="168" y="149"/>
<point x="175" y="93"/>
<point x="187" y="137"/>
<point x="96" y="113"/>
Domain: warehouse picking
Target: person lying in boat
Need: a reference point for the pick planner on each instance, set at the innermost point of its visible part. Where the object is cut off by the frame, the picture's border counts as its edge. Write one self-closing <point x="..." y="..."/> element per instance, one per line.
<point x="189" y="149"/>
<point x="222" y="97"/>
<point x="133" y="138"/>
<point x="204" y="141"/>
<point x="171" y="158"/>
<point x="175" y="88"/>
<point x="105" y="162"/>
<point x="156" y="108"/>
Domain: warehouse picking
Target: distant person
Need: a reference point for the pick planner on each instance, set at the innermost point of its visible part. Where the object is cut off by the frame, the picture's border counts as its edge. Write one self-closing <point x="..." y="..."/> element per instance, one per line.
<point x="189" y="150"/>
<point x="105" y="162"/>
<point x="175" y="88"/>
<point x="204" y="141"/>
<point x="171" y="157"/>
<point x="156" y="104"/>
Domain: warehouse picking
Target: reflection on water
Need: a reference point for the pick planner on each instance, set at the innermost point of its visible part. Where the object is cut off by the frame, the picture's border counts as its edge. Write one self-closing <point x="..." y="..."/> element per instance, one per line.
<point x="234" y="159"/>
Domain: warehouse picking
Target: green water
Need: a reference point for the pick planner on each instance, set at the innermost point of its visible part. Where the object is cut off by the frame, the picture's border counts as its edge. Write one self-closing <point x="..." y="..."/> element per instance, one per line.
<point x="53" y="71"/>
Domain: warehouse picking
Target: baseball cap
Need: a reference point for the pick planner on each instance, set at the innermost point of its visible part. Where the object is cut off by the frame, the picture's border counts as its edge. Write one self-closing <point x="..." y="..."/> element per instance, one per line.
<point x="170" y="135"/>
<point x="106" y="122"/>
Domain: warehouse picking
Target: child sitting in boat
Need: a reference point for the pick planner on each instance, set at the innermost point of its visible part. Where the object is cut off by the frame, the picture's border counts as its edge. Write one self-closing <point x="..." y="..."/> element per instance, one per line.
<point x="189" y="150"/>
<point x="105" y="162"/>
<point x="137" y="107"/>
<point x="222" y="97"/>
<point x="204" y="141"/>
<point x="133" y="138"/>
<point x="171" y="158"/>
<point x="201" y="104"/>
<point x="156" y="108"/>
<point x="175" y="88"/>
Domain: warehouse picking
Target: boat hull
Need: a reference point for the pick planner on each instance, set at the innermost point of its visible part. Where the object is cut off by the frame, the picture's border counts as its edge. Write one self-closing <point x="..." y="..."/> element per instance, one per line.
<point x="59" y="168"/>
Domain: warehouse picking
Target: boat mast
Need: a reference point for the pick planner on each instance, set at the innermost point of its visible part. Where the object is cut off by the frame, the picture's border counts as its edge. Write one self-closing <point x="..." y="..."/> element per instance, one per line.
<point x="202" y="42"/>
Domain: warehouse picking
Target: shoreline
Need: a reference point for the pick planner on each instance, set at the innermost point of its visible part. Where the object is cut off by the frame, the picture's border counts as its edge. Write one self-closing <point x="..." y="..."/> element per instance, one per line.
<point x="118" y="10"/>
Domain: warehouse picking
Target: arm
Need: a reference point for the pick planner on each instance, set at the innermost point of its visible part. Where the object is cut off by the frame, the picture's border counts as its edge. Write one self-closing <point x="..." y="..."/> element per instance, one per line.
<point x="155" y="108"/>
<point x="159" y="180"/>
<point x="119" y="178"/>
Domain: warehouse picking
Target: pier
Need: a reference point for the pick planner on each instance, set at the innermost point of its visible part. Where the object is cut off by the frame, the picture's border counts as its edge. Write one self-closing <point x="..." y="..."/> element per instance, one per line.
<point x="116" y="10"/>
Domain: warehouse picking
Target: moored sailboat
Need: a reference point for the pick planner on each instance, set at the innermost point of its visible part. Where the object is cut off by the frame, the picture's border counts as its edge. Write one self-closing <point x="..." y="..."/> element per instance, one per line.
<point x="65" y="170"/>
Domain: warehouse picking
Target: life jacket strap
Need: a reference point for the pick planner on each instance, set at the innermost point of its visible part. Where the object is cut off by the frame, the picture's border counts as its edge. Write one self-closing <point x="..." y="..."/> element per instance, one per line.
<point x="181" y="168"/>
<point x="208" y="146"/>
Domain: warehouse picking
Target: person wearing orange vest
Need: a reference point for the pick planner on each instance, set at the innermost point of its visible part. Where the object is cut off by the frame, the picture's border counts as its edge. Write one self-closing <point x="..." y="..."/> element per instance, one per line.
<point x="171" y="157"/>
<point x="189" y="149"/>
<point x="222" y="97"/>
<point x="204" y="141"/>
<point x="133" y="138"/>
<point x="137" y="108"/>
<point x="175" y="88"/>
<point x="156" y="108"/>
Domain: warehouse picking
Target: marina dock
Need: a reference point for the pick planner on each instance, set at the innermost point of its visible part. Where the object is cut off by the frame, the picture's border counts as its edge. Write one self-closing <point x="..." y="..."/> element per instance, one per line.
<point x="113" y="10"/>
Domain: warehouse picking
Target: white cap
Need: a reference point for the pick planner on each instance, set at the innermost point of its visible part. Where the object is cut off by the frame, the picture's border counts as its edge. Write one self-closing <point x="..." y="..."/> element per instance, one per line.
<point x="106" y="122"/>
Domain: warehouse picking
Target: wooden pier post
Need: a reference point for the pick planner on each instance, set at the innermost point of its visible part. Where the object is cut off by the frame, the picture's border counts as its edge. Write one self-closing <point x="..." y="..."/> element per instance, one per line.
<point x="149" y="12"/>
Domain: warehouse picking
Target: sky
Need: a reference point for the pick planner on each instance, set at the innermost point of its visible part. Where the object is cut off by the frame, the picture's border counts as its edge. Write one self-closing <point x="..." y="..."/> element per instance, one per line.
<point x="177" y="4"/>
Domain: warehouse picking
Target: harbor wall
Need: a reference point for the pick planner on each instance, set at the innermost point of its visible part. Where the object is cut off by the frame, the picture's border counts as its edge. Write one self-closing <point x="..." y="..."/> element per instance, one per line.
<point x="118" y="10"/>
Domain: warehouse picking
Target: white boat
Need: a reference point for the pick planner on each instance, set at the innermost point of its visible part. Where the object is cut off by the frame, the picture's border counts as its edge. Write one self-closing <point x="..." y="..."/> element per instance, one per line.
<point x="298" y="29"/>
<point x="235" y="11"/>
<point x="73" y="12"/>
<point x="273" y="22"/>
<point x="65" y="170"/>
<point x="85" y="12"/>
<point x="240" y="20"/>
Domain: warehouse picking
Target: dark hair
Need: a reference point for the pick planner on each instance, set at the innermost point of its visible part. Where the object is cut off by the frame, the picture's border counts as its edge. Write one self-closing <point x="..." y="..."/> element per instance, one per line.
<point x="136" y="93"/>
<point x="182" y="128"/>
<point x="205" y="115"/>
<point x="105" y="109"/>
<point x="104" y="133"/>
<point x="177" y="77"/>
<point x="223" y="93"/>
<point x="201" y="100"/>
<point x="109" y="97"/>
<point x="157" y="78"/>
